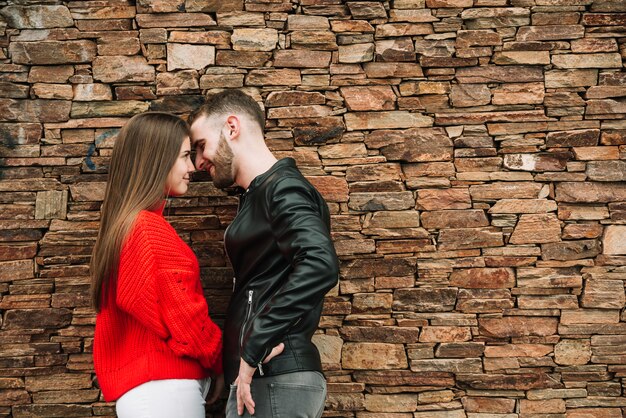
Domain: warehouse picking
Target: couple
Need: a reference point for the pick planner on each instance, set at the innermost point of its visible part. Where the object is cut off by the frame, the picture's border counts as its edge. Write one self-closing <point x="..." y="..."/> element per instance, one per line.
<point x="156" y="350"/>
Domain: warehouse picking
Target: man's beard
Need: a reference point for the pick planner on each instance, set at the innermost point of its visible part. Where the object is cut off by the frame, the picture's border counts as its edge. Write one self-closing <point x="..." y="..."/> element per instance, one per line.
<point x="223" y="163"/>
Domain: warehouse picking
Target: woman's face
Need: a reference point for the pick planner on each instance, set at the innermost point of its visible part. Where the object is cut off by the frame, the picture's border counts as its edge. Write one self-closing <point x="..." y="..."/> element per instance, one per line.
<point x="177" y="181"/>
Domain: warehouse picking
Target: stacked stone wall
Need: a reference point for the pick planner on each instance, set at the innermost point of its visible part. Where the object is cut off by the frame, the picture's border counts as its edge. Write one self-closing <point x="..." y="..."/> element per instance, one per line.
<point x="472" y="153"/>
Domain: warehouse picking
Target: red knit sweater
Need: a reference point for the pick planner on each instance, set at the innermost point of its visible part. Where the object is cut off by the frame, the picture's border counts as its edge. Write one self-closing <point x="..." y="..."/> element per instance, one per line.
<point x="158" y="326"/>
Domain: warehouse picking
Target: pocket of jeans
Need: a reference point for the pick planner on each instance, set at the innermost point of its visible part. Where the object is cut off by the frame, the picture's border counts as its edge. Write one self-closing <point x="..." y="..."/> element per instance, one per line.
<point x="297" y="400"/>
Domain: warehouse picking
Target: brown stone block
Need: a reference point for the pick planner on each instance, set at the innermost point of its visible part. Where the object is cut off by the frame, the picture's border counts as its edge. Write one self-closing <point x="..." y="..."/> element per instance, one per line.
<point x="447" y="365"/>
<point x="386" y="120"/>
<point x="547" y="302"/>
<point x="591" y="45"/>
<point x="396" y="335"/>
<point x="572" y="352"/>
<point x="51" y="410"/>
<point x="505" y="190"/>
<point x="292" y="98"/>
<point x="11" y="397"/>
<point x="392" y="69"/>
<point x="604" y="19"/>
<point x="523" y="206"/>
<point x="468" y="95"/>
<point x="466" y="238"/>
<point x="571" y="78"/>
<point x="536" y="229"/>
<point x="432" y="169"/>
<point x="460" y="350"/>
<point x="425" y="299"/>
<point x="473" y="165"/>
<point x="34" y="110"/>
<point x="364" y="268"/>
<point x="307" y="23"/>
<point x="477" y="118"/>
<point x="403" y="29"/>
<point x="390" y="404"/>
<point x="16" y="270"/>
<point x="168" y="20"/>
<point x="213" y="81"/>
<point x="445" y="334"/>
<point x="121" y="68"/>
<point x="416" y="15"/>
<point x="550" y="32"/>
<point x="577" y="138"/>
<point x="37" y="318"/>
<point x="243" y="59"/>
<point x="516" y="93"/>
<point x="488" y="404"/>
<point x="600" y="60"/>
<point x="521" y="58"/>
<point x="356" y="53"/>
<point x="333" y="189"/>
<point x="367" y="10"/>
<point x="374" y="172"/>
<point x="394" y="50"/>
<point x="314" y="40"/>
<point x="37" y="17"/>
<point x="517" y="326"/>
<point x="581" y="231"/>
<point x="381" y="201"/>
<point x="563" y="18"/>
<point x="373" y="356"/>
<point x="589" y="316"/>
<point x="590" y="192"/>
<point x="454" y="219"/>
<point x="604" y="294"/>
<point x="369" y="98"/>
<point x="273" y="77"/>
<point x="606" y="171"/>
<point x="580" y="212"/>
<point x="521" y="381"/>
<point x="345" y="401"/>
<point x="483" y="278"/>
<point x="594" y="413"/>
<point x="52" y="52"/>
<point x="548" y="406"/>
<point x="482" y="18"/>
<point x="470" y="38"/>
<point x="404" y="378"/>
<point x="570" y="250"/>
<point x="453" y="198"/>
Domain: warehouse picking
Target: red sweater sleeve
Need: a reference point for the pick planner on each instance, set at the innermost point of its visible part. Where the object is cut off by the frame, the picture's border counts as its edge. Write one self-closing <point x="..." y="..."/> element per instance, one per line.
<point x="159" y="284"/>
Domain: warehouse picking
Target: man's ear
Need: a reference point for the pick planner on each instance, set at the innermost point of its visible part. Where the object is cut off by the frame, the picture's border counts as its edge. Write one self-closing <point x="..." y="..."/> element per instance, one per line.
<point x="233" y="127"/>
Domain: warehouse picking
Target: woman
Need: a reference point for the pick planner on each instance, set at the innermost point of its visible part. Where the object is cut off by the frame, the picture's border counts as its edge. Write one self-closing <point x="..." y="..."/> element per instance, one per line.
<point x="155" y="345"/>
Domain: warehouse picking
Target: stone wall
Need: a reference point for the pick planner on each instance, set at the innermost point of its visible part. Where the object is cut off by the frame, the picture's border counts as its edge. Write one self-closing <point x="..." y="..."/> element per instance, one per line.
<point x="472" y="152"/>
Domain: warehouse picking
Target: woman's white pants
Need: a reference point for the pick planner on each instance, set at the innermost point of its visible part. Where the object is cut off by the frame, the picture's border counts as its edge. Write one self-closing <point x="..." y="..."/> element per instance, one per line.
<point x="171" y="398"/>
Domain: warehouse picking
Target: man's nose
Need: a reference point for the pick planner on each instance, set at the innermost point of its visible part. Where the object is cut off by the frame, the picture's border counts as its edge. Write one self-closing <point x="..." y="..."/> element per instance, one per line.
<point x="199" y="162"/>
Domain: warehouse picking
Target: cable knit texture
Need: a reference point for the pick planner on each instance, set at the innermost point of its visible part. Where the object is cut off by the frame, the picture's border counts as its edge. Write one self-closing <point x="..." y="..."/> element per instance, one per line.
<point x="158" y="326"/>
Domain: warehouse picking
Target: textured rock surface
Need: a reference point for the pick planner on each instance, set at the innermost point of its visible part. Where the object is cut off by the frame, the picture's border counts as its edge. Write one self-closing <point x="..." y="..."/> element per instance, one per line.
<point x="472" y="154"/>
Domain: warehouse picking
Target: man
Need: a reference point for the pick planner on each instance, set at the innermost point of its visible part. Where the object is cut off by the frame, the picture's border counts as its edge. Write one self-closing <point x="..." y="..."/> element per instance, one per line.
<point x="284" y="261"/>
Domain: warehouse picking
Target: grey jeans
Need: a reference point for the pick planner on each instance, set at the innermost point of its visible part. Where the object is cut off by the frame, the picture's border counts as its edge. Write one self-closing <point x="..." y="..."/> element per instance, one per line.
<point x="292" y="395"/>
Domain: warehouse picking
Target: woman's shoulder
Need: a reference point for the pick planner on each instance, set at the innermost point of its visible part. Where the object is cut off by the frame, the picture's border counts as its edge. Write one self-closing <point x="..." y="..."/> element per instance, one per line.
<point x="152" y="227"/>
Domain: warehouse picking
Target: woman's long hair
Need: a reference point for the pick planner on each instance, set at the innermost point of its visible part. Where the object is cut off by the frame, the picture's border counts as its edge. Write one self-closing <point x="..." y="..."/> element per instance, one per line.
<point x="143" y="155"/>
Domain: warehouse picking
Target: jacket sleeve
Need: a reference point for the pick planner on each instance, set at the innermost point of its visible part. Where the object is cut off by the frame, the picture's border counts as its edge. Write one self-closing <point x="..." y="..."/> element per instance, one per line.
<point x="303" y="237"/>
<point x="168" y="301"/>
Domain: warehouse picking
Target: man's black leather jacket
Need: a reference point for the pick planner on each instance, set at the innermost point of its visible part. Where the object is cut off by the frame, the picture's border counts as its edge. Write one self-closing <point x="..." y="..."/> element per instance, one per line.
<point x="284" y="262"/>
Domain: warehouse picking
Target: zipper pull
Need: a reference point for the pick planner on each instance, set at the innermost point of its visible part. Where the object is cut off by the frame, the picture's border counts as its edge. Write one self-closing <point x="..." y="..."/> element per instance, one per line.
<point x="250" y="297"/>
<point x="260" y="366"/>
<point x="234" y="282"/>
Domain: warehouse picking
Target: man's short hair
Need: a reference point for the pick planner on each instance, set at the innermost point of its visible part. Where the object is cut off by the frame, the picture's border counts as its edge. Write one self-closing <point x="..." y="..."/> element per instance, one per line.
<point x="230" y="101"/>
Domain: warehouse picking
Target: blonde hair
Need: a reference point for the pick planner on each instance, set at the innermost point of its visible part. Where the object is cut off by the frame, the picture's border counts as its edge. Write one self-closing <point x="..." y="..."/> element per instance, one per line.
<point x="143" y="155"/>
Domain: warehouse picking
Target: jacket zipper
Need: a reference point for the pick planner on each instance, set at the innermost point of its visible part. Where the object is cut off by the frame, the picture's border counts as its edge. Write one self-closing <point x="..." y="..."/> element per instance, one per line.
<point x="226" y="230"/>
<point x="248" y="310"/>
